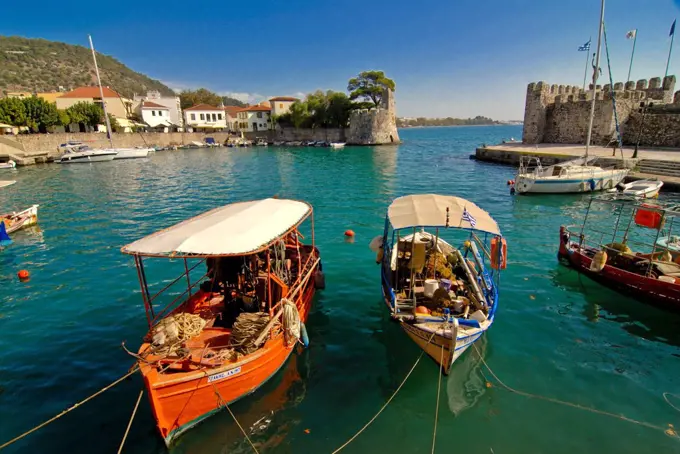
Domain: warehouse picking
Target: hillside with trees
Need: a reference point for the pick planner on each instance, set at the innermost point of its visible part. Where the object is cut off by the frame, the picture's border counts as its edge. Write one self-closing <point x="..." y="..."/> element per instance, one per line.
<point x="39" y="65"/>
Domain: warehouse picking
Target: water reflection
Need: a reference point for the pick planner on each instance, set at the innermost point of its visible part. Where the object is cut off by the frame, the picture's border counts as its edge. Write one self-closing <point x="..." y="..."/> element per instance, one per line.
<point x="635" y="317"/>
<point x="466" y="384"/>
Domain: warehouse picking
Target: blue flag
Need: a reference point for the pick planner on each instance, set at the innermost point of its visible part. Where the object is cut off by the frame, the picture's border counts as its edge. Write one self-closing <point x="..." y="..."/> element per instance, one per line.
<point x="5" y="240"/>
<point x="585" y="47"/>
<point x="672" y="29"/>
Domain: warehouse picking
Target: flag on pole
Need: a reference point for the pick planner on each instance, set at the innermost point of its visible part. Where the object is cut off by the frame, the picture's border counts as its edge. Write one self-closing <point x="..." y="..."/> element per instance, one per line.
<point x="585" y="47"/>
<point x="631" y="34"/>
<point x="468" y="217"/>
<point x="672" y="32"/>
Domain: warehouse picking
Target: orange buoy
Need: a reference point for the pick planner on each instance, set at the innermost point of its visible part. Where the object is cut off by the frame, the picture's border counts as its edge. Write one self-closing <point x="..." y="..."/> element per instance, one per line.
<point x="23" y="275"/>
<point x="349" y="233"/>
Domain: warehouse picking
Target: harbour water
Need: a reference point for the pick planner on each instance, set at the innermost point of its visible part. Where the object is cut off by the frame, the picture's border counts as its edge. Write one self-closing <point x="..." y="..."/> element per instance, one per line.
<point x="555" y="334"/>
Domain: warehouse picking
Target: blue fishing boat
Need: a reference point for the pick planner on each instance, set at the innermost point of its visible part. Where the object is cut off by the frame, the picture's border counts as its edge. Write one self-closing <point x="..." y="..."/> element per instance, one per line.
<point x="444" y="296"/>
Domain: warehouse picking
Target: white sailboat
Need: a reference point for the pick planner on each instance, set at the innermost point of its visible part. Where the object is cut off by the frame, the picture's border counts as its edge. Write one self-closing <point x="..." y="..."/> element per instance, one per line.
<point x="78" y="152"/>
<point x="575" y="176"/>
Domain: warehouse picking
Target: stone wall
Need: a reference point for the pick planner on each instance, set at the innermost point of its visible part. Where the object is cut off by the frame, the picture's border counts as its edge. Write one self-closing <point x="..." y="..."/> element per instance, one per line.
<point x="292" y="134"/>
<point x="658" y="129"/>
<point x="559" y="113"/>
<point x="375" y="126"/>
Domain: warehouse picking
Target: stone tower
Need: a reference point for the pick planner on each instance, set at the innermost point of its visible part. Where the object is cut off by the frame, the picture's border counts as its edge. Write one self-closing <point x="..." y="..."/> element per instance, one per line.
<point x="375" y="126"/>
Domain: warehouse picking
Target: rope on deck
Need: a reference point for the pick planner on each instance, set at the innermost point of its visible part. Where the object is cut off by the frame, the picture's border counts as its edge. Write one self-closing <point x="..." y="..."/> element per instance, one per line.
<point x="670" y="430"/>
<point x="222" y="403"/>
<point x="132" y="417"/>
<point x="396" y="391"/>
<point x="68" y="410"/>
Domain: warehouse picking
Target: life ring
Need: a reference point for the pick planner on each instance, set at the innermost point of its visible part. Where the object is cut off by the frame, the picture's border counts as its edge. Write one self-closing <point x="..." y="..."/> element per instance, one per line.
<point x="499" y="253"/>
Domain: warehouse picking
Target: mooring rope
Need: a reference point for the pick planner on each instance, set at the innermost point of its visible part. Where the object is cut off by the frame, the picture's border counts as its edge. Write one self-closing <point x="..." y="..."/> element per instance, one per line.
<point x="68" y="410"/>
<point x="132" y="417"/>
<point x="439" y="388"/>
<point x="670" y="431"/>
<point x="222" y="403"/>
<point x="396" y="391"/>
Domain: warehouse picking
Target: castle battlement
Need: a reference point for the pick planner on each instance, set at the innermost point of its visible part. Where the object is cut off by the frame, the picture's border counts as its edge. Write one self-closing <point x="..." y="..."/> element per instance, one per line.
<point x="558" y="113"/>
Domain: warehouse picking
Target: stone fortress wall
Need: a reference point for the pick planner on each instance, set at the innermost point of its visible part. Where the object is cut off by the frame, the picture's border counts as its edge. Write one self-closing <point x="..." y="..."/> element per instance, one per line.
<point x="374" y="126"/>
<point x="559" y="113"/>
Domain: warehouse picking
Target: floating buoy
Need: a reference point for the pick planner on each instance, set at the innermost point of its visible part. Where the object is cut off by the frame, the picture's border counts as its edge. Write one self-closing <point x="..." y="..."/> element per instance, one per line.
<point x="509" y="182"/>
<point x="23" y="275"/>
<point x="349" y="233"/>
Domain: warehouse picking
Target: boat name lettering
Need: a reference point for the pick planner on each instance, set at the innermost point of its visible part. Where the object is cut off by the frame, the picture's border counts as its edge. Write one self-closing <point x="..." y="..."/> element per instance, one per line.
<point x="222" y="375"/>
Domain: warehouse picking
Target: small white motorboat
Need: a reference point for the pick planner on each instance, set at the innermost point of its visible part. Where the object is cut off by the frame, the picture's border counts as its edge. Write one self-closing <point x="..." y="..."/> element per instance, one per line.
<point x="75" y="152"/>
<point x="5" y="183"/>
<point x="8" y="165"/>
<point x="672" y="243"/>
<point x="337" y="144"/>
<point x="640" y="189"/>
<point x="130" y="153"/>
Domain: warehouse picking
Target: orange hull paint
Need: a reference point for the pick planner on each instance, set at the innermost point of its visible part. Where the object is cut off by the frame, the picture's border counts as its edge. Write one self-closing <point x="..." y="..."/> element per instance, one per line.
<point x="180" y="400"/>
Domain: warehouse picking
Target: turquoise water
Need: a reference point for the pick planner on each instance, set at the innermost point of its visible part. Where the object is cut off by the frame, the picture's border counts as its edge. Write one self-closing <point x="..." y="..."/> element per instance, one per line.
<point x="555" y="334"/>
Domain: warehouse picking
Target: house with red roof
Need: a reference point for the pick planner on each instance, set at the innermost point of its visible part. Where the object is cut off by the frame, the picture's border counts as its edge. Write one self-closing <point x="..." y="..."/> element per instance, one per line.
<point x="155" y="115"/>
<point x="204" y="117"/>
<point x="255" y="118"/>
<point x="116" y="105"/>
<point x="281" y="104"/>
<point x="231" y="115"/>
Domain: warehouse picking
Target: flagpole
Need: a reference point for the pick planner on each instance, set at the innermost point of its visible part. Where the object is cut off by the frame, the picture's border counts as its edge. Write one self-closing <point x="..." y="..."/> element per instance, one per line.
<point x="670" y="50"/>
<point x="596" y="70"/>
<point x="585" y="70"/>
<point x="630" y="67"/>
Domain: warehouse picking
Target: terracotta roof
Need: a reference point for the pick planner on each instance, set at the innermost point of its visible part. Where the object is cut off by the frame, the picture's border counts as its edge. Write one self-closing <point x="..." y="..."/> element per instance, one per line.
<point x="258" y="108"/>
<point x="202" y="107"/>
<point x="284" y="98"/>
<point x="152" y="105"/>
<point x="232" y="110"/>
<point x="90" y="92"/>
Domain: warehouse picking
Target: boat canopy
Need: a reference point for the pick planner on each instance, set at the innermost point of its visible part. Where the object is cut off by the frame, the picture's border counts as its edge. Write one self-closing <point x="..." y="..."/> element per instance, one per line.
<point x="430" y="210"/>
<point x="234" y="229"/>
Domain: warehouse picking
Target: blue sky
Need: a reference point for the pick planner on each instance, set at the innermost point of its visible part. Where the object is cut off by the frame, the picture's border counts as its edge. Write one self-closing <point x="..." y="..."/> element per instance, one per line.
<point x="456" y="58"/>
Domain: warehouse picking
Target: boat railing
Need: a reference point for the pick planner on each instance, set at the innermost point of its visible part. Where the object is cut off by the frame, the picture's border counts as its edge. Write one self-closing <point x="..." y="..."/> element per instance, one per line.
<point x="170" y="306"/>
<point x="306" y="273"/>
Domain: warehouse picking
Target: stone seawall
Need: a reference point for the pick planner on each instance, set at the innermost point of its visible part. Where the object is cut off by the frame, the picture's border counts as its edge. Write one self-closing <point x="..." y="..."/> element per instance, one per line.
<point x="658" y="130"/>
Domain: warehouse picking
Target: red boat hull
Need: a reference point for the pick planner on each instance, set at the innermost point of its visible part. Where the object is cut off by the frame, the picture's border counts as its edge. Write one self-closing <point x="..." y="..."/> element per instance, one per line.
<point x="646" y="289"/>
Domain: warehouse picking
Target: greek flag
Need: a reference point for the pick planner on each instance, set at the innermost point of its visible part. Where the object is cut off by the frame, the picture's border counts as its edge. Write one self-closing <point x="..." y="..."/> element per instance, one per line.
<point x="585" y="47"/>
<point x="468" y="217"/>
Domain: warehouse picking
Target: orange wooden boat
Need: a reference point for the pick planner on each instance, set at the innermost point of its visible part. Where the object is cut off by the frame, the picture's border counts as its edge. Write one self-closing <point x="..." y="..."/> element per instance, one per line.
<point x="212" y="345"/>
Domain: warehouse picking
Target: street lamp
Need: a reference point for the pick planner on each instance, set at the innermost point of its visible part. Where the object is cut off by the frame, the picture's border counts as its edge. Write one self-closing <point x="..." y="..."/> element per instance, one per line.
<point x="642" y="110"/>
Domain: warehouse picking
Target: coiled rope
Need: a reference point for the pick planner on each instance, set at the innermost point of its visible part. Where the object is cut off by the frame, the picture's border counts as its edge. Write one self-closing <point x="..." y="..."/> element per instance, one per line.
<point x="396" y="391"/>
<point x="670" y="430"/>
<point x="68" y="410"/>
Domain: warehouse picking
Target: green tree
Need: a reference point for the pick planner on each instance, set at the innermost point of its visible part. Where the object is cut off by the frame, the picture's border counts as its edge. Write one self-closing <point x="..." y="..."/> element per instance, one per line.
<point x="317" y="108"/>
<point x="115" y="126"/>
<point x="188" y="98"/>
<point x="41" y="115"/>
<point x="86" y="113"/>
<point x="229" y="101"/>
<point x="338" y="109"/>
<point x="299" y="115"/>
<point x="13" y="112"/>
<point x="369" y="85"/>
<point x="64" y="119"/>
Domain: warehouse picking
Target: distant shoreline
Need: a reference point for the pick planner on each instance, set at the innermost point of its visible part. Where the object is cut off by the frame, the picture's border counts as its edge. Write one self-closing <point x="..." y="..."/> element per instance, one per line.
<point x="458" y="126"/>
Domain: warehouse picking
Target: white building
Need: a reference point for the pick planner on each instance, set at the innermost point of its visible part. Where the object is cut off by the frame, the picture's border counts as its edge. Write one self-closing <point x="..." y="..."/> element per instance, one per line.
<point x="281" y="104"/>
<point x="205" y="117"/>
<point x="171" y="102"/>
<point x="255" y="118"/>
<point x="155" y="115"/>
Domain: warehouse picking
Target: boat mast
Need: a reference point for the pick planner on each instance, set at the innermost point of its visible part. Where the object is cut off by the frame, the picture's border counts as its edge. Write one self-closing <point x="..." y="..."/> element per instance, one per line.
<point x="101" y="91"/>
<point x="596" y="71"/>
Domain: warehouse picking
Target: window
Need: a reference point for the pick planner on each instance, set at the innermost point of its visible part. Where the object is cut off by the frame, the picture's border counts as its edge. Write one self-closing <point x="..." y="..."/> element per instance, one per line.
<point x="193" y="117"/>
<point x="259" y="115"/>
<point x="280" y="105"/>
<point x="214" y="117"/>
<point x="153" y="113"/>
<point x="202" y="117"/>
<point x="160" y="113"/>
<point x="219" y="116"/>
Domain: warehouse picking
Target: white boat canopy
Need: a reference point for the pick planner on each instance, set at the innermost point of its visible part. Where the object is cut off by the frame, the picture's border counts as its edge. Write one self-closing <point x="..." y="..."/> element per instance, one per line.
<point x="430" y="210"/>
<point x="235" y="229"/>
